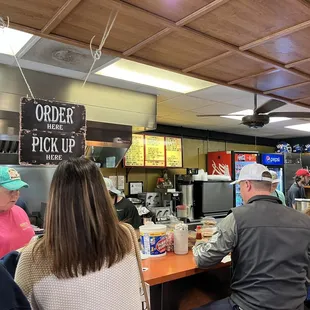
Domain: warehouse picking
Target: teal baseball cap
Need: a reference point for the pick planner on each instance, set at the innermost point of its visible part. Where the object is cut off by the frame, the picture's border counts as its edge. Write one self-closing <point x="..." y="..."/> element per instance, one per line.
<point x="10" y="179"/>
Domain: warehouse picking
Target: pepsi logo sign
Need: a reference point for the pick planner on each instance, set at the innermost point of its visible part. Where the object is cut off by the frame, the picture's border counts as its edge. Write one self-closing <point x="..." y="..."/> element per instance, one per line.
<point x="273" y="159"/>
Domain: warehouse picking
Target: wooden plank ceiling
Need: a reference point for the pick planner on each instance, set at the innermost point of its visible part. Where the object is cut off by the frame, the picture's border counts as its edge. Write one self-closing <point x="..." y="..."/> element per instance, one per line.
<point x="260" y="46"/>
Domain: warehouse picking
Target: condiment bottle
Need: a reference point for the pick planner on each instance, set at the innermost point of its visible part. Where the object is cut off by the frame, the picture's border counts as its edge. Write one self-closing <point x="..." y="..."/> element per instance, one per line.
<point x="198" y="235"/>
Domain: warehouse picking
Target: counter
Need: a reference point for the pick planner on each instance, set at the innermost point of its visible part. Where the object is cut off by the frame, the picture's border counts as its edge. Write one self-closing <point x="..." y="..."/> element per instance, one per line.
<point x="175" y="282"/>
<point x="172" y="267"/>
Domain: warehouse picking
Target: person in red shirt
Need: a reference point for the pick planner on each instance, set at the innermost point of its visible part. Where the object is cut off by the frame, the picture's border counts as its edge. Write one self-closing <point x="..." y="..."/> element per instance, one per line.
<point x="15" y="228"/>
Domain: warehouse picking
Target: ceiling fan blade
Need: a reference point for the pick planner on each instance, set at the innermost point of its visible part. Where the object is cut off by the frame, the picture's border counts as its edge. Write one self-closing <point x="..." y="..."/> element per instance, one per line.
<point x="290" y="114"/>
<point x="219" y="115"/>
<point x="270" y="105"/>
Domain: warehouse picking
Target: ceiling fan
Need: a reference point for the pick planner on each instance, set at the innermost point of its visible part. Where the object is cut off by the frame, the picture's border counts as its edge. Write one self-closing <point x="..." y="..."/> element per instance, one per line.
<point x="261" y="116"/>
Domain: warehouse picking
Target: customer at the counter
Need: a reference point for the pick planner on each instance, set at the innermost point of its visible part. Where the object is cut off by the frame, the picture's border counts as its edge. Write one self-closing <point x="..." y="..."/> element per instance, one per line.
<point x="297" y="189"/>
<point x="11" y="296"/>
<point x="86" y="258"/>
<point x="274" y="185"/>
<point x="126" y="210"/>
<point x="270" y="247"/>
<point x="15" y="228"/>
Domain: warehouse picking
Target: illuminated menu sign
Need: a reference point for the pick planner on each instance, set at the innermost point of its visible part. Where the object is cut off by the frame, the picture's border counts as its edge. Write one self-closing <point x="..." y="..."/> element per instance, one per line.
<point x="154" y="151"/>
<point x="135" y="155"/>
<point x="173" y="152"/>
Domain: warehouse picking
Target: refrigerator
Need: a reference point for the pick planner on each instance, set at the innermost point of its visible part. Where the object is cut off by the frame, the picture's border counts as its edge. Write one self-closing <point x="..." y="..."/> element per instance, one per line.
<point x="275" y="162"/>
<point x="232" y="161"/>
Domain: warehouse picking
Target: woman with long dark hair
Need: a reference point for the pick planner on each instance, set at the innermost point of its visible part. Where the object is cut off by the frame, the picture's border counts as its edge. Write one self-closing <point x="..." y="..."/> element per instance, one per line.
<point x="87" y="258"/>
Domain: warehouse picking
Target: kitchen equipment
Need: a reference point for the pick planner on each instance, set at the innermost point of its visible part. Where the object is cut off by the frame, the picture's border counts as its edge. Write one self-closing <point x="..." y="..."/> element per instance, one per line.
<point x="188" y="198"/>
<point x="182" y="212"/>
<point x="162" y="214"/>
<point x="177" y="198"/>
<point x="212" y="198"/>
<point x="153" y="239"/>
<point x="302" y="204"/>
<point x="151" y="199"/>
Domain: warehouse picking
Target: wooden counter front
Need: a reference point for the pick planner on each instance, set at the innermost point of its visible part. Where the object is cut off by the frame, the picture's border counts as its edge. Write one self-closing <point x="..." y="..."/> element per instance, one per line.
<point x="171" y="267"/>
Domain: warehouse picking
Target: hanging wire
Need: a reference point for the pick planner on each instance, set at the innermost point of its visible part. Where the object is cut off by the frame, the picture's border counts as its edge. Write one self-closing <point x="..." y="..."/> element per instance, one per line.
<point x="5" y="25"/>
<point x="97" y="53"/>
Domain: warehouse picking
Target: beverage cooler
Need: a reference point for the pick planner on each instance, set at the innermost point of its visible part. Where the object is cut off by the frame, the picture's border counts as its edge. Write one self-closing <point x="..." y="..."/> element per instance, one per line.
<point x="275" y="162"/>
<point x="232" y="161"/>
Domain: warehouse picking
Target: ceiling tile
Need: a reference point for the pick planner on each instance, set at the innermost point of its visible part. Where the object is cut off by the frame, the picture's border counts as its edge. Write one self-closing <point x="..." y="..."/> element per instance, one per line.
<point x="219" y="93"/>
<point x="187" y="102"/>
<point x="164" y="110"/>
<point x="247" y="101"/>
<point x="218" y="108"/>
<point x="162" y="94"/>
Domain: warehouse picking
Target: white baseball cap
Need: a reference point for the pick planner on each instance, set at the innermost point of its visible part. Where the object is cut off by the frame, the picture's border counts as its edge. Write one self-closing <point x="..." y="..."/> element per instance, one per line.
<point x="111" y="188"/>
<point x="274" y="176"/>
<point x="253" y="172"/>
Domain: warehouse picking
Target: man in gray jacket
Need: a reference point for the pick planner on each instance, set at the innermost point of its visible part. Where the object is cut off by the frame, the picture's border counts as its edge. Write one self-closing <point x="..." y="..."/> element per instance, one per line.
<point x="270" y="246"/>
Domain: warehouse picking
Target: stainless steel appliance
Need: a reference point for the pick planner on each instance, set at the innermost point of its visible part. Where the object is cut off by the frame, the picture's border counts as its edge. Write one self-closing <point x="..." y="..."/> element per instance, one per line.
<point x="302" y="204"/>
<point x="185" y="184"/>
<point x="214" y="198"/>
<point x="188" y="198"/>
<point x="160" y="204"/>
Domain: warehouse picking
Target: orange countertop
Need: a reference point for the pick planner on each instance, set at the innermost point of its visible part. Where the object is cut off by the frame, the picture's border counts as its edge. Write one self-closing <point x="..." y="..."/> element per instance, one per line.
<point x="172" y="267"/>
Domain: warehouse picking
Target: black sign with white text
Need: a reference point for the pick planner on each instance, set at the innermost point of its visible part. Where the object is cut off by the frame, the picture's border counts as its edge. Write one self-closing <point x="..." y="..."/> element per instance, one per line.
<point x="52" y="116"/>
<point x="51" y="131"/>
<point x="50" y="148"/>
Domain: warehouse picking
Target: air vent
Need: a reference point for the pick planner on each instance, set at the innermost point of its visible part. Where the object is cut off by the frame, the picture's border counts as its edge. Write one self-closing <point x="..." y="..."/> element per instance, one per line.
<point x="8" y="147"/>
<point x="68" y="56"/>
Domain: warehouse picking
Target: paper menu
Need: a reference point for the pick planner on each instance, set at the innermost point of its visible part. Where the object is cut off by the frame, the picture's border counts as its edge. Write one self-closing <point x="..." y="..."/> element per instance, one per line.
<point x="173" y="152"/>
<point x="135" y="155"/>
<point x="154" y="151"/>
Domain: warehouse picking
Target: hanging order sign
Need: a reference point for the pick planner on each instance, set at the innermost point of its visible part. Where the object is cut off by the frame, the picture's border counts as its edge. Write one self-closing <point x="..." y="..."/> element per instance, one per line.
<point x="51" y="131"/>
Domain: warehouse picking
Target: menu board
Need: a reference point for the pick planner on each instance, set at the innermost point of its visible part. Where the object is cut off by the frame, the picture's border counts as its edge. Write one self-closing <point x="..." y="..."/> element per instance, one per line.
<point x="135" y="155"/>
<point x="154" y="151"/>
<point x="173" y="152"/>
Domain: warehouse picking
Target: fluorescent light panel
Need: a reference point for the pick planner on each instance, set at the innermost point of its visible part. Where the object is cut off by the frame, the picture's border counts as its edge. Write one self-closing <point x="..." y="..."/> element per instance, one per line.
<point x="250" y="112"/>
<point x="14" y="38"/>
<point x="243" y="112"/>
<point x="300" y="127"/>
<point x="147" y="75"/>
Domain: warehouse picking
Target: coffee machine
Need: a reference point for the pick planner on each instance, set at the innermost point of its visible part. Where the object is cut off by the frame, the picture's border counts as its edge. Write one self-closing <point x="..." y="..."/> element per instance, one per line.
<point x="185" y="184"/>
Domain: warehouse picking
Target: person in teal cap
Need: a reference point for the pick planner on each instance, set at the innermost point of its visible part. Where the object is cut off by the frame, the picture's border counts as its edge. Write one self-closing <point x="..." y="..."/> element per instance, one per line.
<point x="15" y="228"/>
<point x="274" y="185"/>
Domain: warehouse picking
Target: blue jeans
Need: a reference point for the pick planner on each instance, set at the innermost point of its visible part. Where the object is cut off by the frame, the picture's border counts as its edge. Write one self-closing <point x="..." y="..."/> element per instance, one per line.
<point x="223" y="304"/>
